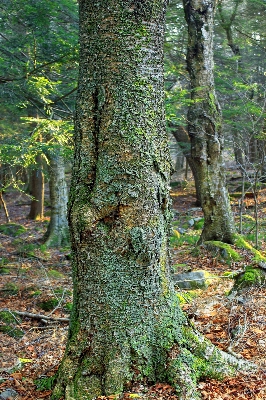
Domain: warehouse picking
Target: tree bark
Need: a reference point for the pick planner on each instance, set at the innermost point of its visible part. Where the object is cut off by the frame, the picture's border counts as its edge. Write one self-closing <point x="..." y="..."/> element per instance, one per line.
<point x="183" y="139"/>
<point x="205" y="123"/>
<point x="37" y="191"/>
<point x="57" y="233"/>
<point x="126" y="323"/>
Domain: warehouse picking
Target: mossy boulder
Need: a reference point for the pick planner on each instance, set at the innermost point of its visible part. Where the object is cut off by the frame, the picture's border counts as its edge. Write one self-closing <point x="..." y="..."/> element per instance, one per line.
<point x="223" y="250"/>
<point x="193" y="280"/>
<point x="240" y="242"/>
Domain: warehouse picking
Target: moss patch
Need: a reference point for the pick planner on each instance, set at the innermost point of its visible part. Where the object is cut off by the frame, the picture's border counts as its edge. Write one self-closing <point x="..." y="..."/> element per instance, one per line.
<point x="251" y="276"/>
<point x="243" y="244"/>
<point x="48" y="305"/>
<point x="12" y="229"/>
<point x="8" y="317"/>
<point x="53" y="273"/>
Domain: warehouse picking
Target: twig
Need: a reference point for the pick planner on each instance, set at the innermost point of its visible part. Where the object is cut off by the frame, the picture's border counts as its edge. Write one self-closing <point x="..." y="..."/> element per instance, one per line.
<point x="37" y="316"/>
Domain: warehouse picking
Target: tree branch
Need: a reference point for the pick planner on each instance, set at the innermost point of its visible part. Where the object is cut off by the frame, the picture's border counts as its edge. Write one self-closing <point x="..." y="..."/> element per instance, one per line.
<point x="37" y="316"/>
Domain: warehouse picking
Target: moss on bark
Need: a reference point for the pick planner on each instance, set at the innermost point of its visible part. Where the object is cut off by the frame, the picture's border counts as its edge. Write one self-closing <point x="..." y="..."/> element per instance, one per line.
<point x="126" y="322"/>
<point x="205" y="124"/>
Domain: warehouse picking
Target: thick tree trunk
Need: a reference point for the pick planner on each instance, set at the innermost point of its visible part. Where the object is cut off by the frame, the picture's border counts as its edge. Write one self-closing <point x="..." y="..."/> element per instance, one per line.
<point x="57" y="233"/>
<point x="37" y="191"/>
<point x="126" y="322"/>
<point x="205" y="125"/>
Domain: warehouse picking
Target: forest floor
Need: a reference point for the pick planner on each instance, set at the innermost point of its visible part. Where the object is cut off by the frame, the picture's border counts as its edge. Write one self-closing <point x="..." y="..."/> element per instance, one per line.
<point x="37" y="282"/>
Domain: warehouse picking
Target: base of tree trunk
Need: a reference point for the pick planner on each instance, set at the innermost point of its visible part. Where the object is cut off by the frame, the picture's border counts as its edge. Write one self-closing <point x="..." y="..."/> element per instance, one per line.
<point x="177" y="356"/>
<point x="56" y="239"/>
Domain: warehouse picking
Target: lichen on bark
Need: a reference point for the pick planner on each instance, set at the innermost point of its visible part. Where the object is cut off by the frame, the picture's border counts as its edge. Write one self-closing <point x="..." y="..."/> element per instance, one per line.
<point x="205" y="124"/>
<point x="126" y="323"/>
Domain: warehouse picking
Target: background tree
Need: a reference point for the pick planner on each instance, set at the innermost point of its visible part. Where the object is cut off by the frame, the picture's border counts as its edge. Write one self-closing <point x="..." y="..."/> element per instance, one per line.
<point x="126" y="323"/>
<point x="205" y="124"/>
<point x="38" y="67"/>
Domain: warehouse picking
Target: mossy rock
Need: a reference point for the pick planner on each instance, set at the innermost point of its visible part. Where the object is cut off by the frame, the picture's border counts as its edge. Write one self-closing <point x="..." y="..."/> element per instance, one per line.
<point x="250" y="277"/>
<point x="243" y="244"/>
<point x="225" y="250"/>
<point x="193" y="280"/>
<point x="12" y="229"/>
<point x="48" y="305"/>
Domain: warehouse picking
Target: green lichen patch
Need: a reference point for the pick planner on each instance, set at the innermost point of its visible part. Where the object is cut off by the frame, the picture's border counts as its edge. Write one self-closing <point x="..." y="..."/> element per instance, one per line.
<point x="12" y="229"/>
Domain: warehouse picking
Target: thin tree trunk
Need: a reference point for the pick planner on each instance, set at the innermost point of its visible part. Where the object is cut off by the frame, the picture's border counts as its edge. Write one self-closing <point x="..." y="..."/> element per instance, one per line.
<point x="37" y="191"/>
<point x="57" y="233"/>
<point x="183" y="139"/>
<point x="205" y="124"/>
<point x="4" y="207"/>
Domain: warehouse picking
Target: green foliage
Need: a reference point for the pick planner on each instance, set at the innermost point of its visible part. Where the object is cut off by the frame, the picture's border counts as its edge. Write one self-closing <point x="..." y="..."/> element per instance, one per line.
<point x="11" y="331"/>
<point x="68" y="306"/>
<point x="39" y="68"/>
<point x="185" y="297"/>
<point x="8" y="322"/>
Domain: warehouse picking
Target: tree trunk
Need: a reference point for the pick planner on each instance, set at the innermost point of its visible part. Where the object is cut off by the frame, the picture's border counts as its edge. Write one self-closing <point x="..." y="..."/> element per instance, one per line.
<point x="205" y="124"/>
<point x="37" y="191"/>
<point x="183" y="140"/>
<point x="126" y="323"/>
<point x="57" y="233"/>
